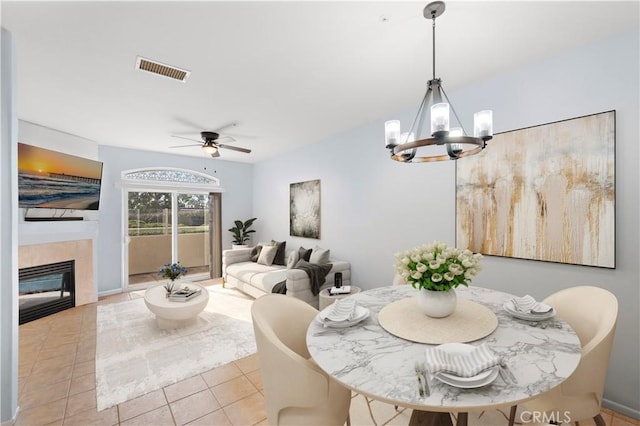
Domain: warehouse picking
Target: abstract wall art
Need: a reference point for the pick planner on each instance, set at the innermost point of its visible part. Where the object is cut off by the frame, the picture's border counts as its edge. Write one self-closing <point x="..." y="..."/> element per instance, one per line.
<point x="544" y="193"/>
<point x="304" y="209"/>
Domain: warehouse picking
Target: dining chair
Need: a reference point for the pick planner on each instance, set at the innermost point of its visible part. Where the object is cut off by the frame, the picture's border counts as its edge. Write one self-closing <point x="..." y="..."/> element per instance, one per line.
<point x="296" y="390"/>
<point x="592" y="312"/>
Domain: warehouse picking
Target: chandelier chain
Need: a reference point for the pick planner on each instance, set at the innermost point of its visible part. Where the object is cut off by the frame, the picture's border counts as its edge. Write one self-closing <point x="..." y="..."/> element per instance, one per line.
<point x="433" y="30"/>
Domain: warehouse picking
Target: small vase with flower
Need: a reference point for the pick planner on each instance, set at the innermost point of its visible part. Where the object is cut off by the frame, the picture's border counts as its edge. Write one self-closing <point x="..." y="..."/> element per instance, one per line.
<point x="172" y="271"/>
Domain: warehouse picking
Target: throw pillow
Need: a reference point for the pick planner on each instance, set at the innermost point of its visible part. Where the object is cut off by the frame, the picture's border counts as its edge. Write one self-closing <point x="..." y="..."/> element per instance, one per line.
<point x="255" y="253"/>
<point x="304" y="253"/>
<point x="267" y="254"/>
<point x="292" y="259"/>
<point x="279" y="259"/>
<point x="319" y="256"/>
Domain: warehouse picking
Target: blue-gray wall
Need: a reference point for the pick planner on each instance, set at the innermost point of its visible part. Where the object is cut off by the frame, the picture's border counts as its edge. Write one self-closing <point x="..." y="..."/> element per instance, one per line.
<point x="373" y="207"/>
<point x="235" y="178"/>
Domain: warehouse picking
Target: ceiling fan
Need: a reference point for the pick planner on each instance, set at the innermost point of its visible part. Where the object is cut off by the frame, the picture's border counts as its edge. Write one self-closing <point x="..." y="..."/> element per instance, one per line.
<point x="211" y="143"/>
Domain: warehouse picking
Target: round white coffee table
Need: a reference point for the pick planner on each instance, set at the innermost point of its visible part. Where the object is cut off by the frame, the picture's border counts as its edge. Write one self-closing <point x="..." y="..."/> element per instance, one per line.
<point x="326" y="299"/>
<point x="171" y="314"/>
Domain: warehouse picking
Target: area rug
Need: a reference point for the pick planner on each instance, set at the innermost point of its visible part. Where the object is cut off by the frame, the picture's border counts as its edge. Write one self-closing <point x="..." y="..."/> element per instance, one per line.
<point x="134" y="356"/>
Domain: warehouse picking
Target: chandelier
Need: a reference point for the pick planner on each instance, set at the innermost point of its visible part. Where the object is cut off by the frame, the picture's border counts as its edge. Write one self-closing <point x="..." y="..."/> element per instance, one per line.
<point x="404" y="146"/>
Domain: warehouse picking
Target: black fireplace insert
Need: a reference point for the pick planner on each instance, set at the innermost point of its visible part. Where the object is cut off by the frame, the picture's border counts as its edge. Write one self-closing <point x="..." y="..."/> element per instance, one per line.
<point x="46" y="289"/>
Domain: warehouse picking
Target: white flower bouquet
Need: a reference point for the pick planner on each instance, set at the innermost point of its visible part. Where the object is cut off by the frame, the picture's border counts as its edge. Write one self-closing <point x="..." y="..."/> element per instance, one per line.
<point x="437" y="267"/>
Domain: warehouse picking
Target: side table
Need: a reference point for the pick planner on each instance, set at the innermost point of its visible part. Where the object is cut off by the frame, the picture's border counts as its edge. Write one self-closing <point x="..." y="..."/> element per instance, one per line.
<point x="325" y="299"/>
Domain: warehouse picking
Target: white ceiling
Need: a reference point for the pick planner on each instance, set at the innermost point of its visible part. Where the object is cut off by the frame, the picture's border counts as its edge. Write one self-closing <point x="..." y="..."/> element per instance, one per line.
<point x="289" y="73"/>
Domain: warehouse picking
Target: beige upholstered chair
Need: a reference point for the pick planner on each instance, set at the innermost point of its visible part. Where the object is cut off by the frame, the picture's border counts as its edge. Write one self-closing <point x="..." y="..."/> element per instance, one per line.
<point x="297" y="391"/>
<point x="592" y="312"/>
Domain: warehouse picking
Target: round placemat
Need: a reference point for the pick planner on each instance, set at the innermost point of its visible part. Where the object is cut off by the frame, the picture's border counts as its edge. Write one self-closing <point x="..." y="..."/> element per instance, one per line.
<point x="470" y="321"/>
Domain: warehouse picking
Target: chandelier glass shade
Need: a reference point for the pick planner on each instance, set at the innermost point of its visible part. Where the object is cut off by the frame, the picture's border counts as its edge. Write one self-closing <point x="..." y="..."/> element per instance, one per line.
<point x="404" y="146"/>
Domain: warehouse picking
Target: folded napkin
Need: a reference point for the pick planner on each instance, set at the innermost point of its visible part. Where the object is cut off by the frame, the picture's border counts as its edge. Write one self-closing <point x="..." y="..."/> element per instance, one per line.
<point x="462" y="365"/>
<point x="527" y="304"/>
<point x="341" y="310"/>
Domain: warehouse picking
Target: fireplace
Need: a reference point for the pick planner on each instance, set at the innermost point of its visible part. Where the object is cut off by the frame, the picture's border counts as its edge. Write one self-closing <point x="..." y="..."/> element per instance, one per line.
<point x="46" y="289"/>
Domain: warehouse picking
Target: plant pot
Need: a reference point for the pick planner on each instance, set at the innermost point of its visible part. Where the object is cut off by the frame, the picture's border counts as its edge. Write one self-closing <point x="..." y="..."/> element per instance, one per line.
<point x="437" y="304"/>
<point x="238" y="246"/>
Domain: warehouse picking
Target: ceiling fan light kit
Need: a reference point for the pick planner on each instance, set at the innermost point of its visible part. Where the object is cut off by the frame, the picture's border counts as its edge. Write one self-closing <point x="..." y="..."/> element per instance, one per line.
<point x="209" y="148"/>
<point x="211" y="143"/>
<point x="404" y="146"/>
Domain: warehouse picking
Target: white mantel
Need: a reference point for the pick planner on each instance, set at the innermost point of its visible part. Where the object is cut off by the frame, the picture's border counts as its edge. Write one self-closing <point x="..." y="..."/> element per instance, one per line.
<point x="51" y="232"/>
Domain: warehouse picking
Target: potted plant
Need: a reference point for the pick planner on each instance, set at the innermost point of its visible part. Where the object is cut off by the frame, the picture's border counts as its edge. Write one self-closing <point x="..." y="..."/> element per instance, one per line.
<point x="172" y="271"/>
<point x="436" y="270"/>
<point x="241" y="232"/>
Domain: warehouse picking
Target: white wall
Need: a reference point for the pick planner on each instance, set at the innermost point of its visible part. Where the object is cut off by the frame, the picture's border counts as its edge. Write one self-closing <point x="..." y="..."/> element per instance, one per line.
<point x="235" y="178"/>
<point x="55" y="140"/>
<point x="8" y="234"/>
<point x="373" y="207"/>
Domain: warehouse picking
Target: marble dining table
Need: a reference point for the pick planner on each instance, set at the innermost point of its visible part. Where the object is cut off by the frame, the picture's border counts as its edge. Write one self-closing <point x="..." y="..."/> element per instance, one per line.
<point x="369" y="360"/>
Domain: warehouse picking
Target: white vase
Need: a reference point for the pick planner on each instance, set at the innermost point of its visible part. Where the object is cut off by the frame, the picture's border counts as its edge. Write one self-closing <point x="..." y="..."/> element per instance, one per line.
<point x="437" y="304"/>
<point x="238" y="246"/>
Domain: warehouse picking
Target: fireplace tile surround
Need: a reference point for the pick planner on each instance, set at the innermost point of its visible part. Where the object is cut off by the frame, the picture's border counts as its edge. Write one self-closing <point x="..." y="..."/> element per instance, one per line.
<point x="80" y="251"/>
<point x="43" y="243"/>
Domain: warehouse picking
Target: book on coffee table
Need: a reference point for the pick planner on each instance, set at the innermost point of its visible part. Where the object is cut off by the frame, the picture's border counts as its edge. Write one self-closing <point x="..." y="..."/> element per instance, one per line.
<point x="184" y="294"/>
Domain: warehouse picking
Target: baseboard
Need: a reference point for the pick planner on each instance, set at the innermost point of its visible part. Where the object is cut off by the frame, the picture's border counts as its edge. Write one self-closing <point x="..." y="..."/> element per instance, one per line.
<point x="109" y="292"/>
<point x="622" y="409"/>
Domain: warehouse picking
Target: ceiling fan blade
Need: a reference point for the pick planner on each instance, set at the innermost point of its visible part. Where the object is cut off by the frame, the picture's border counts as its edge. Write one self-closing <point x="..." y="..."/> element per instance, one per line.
<point x="184" y="146"/>
<point x="188" y="123"/>
<point x="240" y="135"/>
<point x="215" y="154"/>
<point x="234" y="148"/>
<point x="189" y="139"/>
<point x="225" y="126"/>
<point x="225" y="138"/>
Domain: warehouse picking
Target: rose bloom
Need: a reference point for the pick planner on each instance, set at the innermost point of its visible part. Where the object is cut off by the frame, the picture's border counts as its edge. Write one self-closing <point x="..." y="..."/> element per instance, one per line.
<point x="436" y="278"/>
<point x="456" y="269"/>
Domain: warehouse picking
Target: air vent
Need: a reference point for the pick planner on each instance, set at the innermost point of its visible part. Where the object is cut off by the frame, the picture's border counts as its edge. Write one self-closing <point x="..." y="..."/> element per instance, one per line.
<point x="164" y="70"/>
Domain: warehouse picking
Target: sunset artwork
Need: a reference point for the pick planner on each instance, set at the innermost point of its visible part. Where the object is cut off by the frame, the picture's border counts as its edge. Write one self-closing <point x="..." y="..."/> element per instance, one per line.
<point x="544" y="193"/>
<point x="52" y="179"/>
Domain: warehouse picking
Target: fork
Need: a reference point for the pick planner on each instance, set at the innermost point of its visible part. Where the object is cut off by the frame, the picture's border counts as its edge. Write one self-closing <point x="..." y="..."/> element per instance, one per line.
<point x="506" y="372"/>
<point x="425" y="377"/>
<point x="421" y="389"/>
<point x="423" y="382"/>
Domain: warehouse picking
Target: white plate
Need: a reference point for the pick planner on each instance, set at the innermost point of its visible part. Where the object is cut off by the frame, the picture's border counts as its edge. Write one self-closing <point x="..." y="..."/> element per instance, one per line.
<point x="477" y="378"/>
<point x="481" y="379"/>
<point x="448" y="379"/>
<point x="511" y="310"/>
<point x="361" y="314"/>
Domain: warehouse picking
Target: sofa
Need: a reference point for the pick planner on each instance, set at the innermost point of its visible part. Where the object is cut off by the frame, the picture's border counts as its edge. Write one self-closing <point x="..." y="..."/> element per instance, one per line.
<point x="256" y="279"/>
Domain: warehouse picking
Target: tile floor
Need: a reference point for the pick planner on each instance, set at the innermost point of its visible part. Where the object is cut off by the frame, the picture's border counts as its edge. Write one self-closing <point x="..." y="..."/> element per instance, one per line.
<point x="57" y="385"/>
